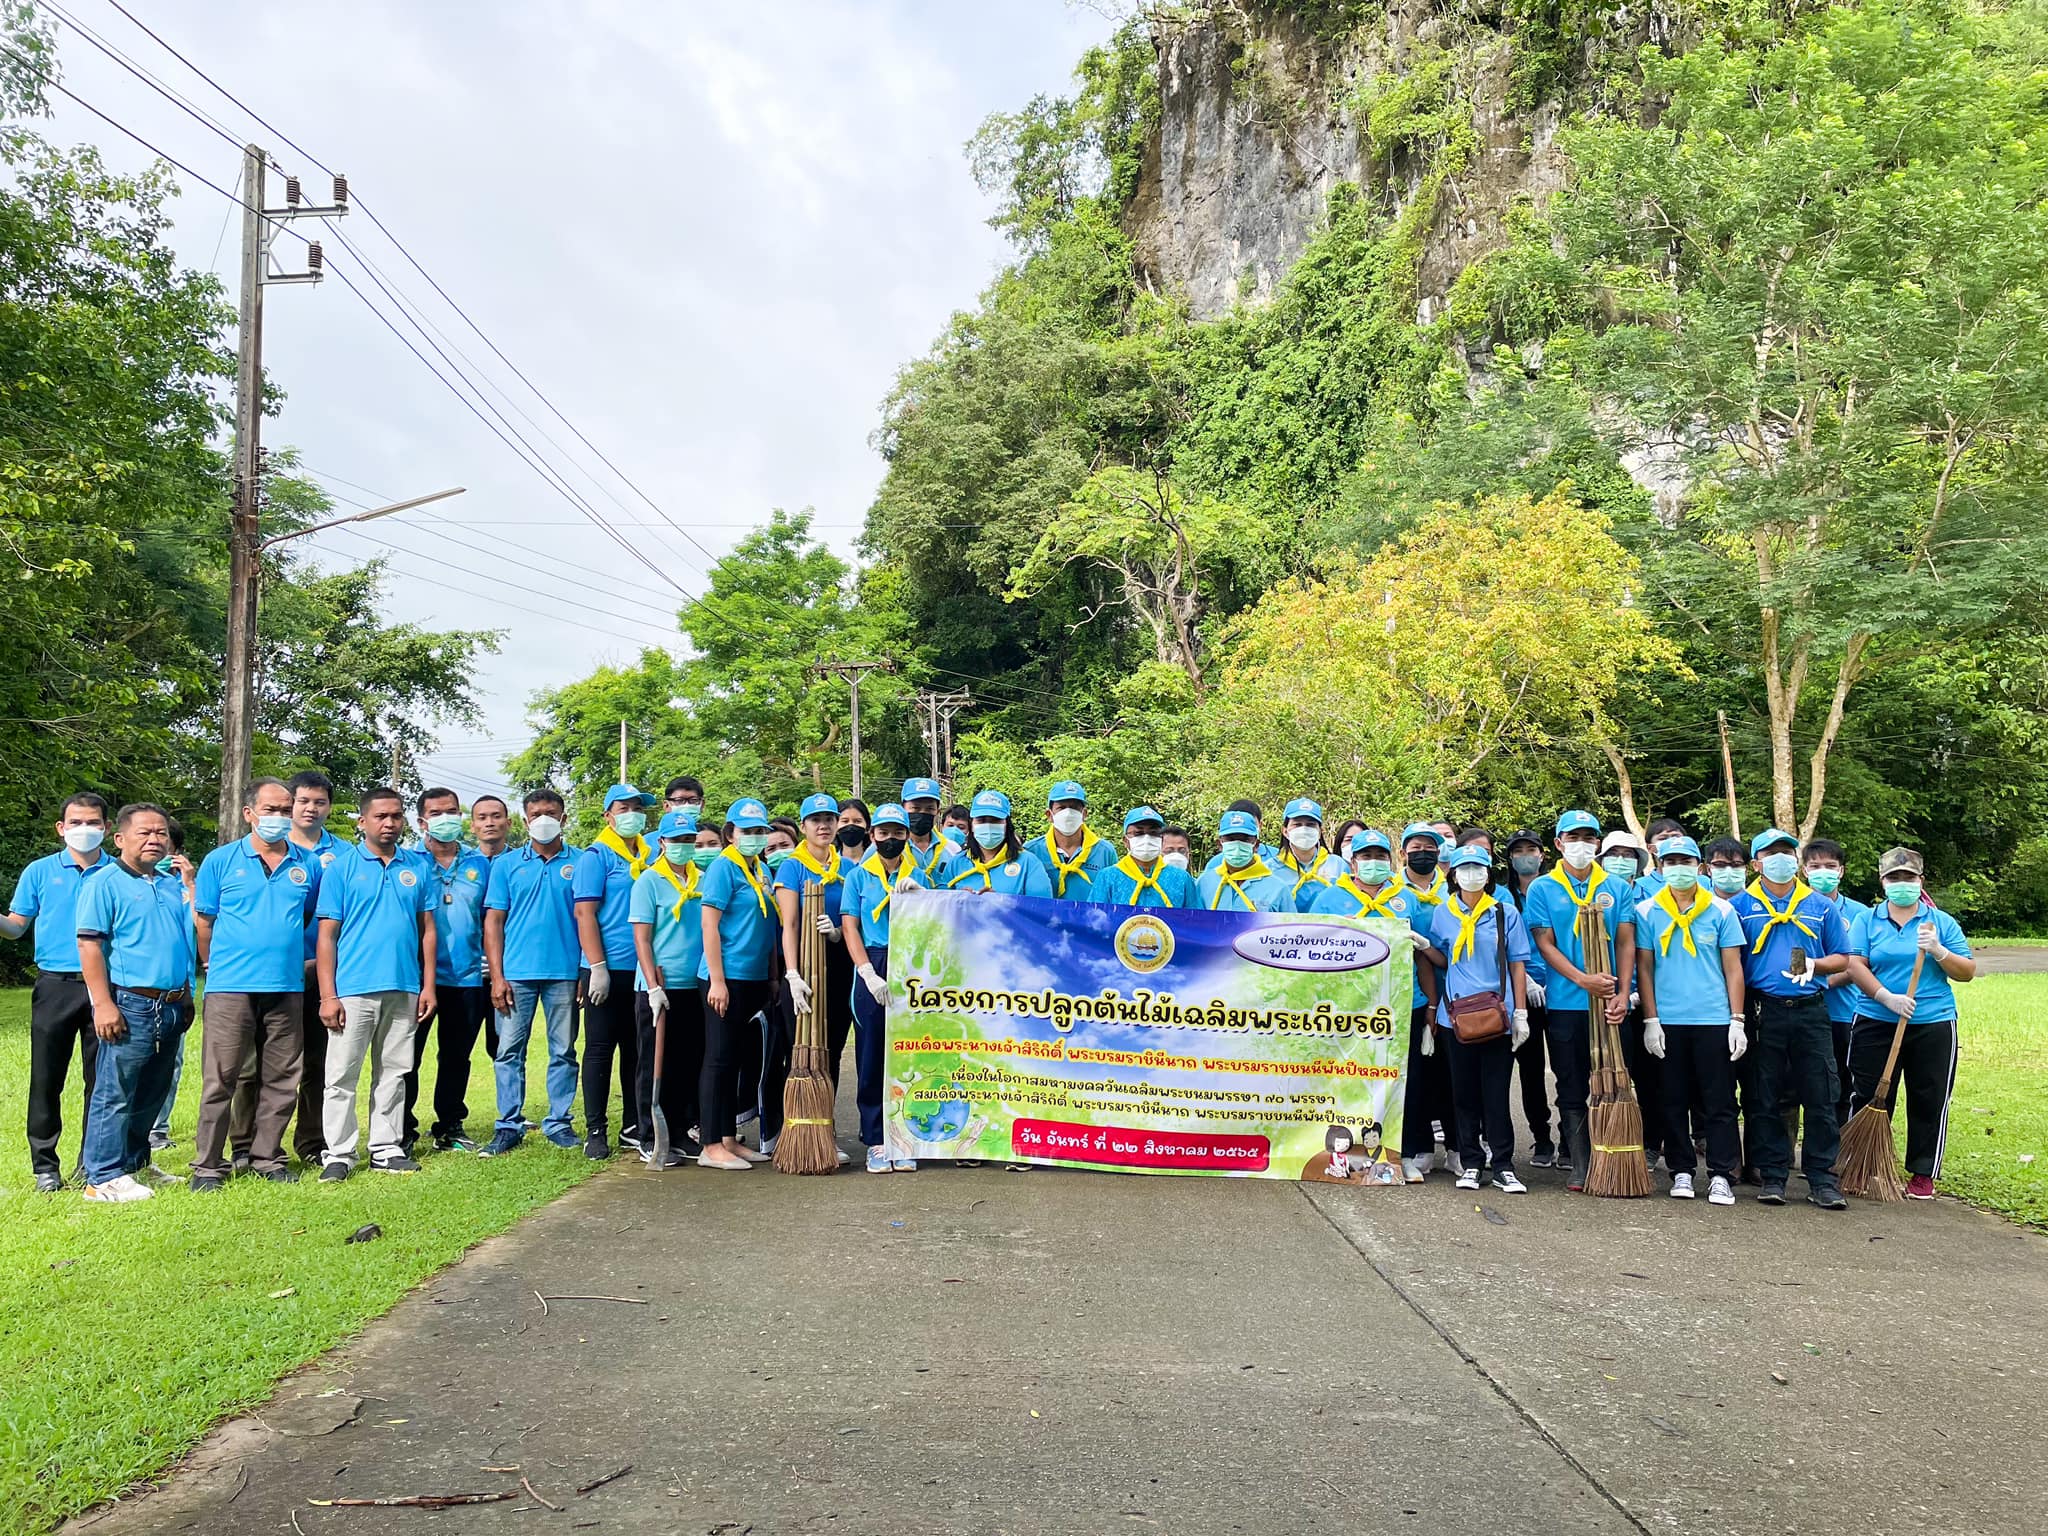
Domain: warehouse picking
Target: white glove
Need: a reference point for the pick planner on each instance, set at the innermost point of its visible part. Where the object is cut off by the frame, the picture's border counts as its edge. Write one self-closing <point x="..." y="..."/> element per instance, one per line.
<point x="878" y="989"/>
<point x="1653" y="1037"/>
<point x="1896" y="1003"/>
<point x="1428" y="1040"/>
<point x="1929" y="944"/>
<point x="657" y="1000"/>
<point x="1419" y="940"/>
<point x="1521" y="1027"/>
<point x="599" y="987"/>
<point x="1738" y="1037"/>
<point x="905" y="880"/>
<point x="799" y="992"/>
<point x="1535" y="990"/>
<point x="1634" y="999"/>
<point x="826" y="926"/>
<point x="1801" y="978"/>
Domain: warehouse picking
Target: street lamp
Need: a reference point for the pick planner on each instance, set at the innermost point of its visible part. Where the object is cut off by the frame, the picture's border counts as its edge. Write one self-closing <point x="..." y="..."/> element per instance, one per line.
<point x="360" y="517"/>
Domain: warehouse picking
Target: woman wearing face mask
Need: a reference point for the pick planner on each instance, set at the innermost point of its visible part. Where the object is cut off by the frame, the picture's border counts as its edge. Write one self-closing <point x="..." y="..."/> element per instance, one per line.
<point x="1302" y="855"/>
<point x="871" y="889"/>
<point x="1621" y="858"/>
<point x="854" y="812"/>
<point x="1142" y="878"/>
<point x="1525" y="865"/>
<point x="1904" y="926"/>
<point x="1467" y="943"/>
<point x="929" y="851"/>
<point x="668" y="942"/>
<point x="604" y="894"/>
<point x="997" y="861"/>
<point x="1240" y="880"/>
<point x="814" y="861"/>
<point x="739" y="930"/>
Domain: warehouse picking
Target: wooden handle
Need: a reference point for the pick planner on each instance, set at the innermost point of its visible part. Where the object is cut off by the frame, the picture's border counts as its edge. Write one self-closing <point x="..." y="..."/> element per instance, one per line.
<point x="1884" y="1083"/>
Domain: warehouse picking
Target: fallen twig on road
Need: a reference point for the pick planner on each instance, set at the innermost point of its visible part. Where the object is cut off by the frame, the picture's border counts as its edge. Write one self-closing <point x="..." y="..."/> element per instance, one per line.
<point x="609" y="1477"/>
<point x="543" y="1303"/>
<point x="537" y="1495"/>
<point x="414" y="1501"/>
<point x="631" y="1301"/>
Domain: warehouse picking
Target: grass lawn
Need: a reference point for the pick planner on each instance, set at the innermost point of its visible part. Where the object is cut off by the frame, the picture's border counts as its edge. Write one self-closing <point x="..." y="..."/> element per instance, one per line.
<point x="2000" y="1110"/>
<point x="125" y="1331"/>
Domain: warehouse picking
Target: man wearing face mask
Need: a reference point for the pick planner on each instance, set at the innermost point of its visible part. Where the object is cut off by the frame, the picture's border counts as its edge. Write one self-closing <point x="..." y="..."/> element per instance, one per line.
<point x="1142" y="878"/>
<point x="1240" y="879"/>
<point x="864" y="908"/>
<point x="532" y="949"/>
<point x="1555" y="907"/>
<point x="931" y="854"/>
<point x="1072" y="855"/>
<point x="1621" y="857"/>
<point x="1525" y="866"/>
<point x="1175" y="847"/>
<point x="1303" y="856"/>
<point x="605" y="873"/>
<point x="735" y="976"/>
<point x="998" y="862"/>
<point x="1783" y="920"/>
<point x="1267" y="851"/>
<point x="1660" y="834"/>
<point x="668" y="940"/>
<point x="250" y="903"/>
<point x="60" y="1011"/>
<point x="1823" y="862"/>
<point x="683" y="793"/>
<point x="457" y="878"/>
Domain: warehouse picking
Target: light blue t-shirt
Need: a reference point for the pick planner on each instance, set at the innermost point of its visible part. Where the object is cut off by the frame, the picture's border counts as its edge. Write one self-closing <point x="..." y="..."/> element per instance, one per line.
<point x="748" y="923"/>
<point x="1691" y="988"/>
<point x="1119" y="886"/>
<point x="143" y="922"/>
<point x="1097" y="854"/>
<point x="1478" y="970"/>
<point x="795" y="875"/>
<point x="1023" y="876"/>
<point x="938" y="863"/>
<point x="379" y="907"/>
<point x="538" y="897"/>
<point x="259" y="916"/>
<point x="665" y="900"/>
<point x="1890" y="948"/>
<point x="48" y="892"/>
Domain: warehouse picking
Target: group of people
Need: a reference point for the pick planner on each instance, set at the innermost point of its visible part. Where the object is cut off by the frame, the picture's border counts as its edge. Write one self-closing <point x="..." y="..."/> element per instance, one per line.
<point x="1750" y="993"/>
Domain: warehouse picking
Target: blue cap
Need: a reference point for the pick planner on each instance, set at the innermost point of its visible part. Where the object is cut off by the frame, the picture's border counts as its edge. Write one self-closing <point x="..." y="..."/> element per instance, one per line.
<point x="989" y="804"/>
<point x="1238" y="824"/>
<point x="922" y="789"/>
<point x="1471" y="853"/>
<point x="1138" y="813"/>
<point x="1768" y="837"/>
<point x="620" y="792"/>
<point x="747" y="813"/>
<point x="1420" y="829"/>
<point x="1578" y="821"/>
<point x="1679" y="844"/>
<point x="1066" y="789"/>
<point x="1370" y="837"/>
<point x="890" y="814"/>
<point x="1302" y="807"/>
<point x="817" y="805"/>
<point x="678" y="824"/>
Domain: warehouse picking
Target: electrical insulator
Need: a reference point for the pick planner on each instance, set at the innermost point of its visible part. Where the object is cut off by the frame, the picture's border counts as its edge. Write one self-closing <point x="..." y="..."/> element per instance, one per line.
<point x="340" y="191"/>
<point x="313" y="256"/>
<point x="291" y="191"/>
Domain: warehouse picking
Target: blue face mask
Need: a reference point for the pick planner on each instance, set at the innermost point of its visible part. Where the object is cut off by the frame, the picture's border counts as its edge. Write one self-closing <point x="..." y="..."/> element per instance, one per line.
<point x="629" y="823"/>
<point x="272" y="829"/>
<point x="1826" y="881"/>
<point x="1780" y="868"/>
<point x="957" y="836"/>
<point x="990" y="834"/>
<point x="1727" y="879"/>
<point x="774" y="860"/>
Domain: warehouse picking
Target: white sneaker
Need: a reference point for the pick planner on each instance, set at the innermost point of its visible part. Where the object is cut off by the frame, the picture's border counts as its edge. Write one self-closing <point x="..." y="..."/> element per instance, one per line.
<point x="903" y="1164"/>
<point x="1415" y="1167"/>
<point x="1718" y="1192"/>
<point x="1454" y="1162"/>
<point x="840" y="1153"/>
<point x="1681" y="1186"/>
<point x="1508" y="1184"/>
<point x="878" y="1159"/>
<point x="118" y="1191"/>
<point x="1468" y="1178"/>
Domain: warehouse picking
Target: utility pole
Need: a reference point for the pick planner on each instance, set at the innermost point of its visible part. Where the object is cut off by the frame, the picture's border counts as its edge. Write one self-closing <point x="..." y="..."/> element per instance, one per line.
<point x="853" y="672"/>
<point x="938" y="710"/>
<point x="238" y="700"/>
<point x="1728" y="777"/>
<point x="622" y="752"/>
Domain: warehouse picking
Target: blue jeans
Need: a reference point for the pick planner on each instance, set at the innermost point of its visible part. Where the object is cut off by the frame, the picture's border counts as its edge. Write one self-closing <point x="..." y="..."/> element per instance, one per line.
<point x="557" y="1000"/>
<point x="128" y="1090"/>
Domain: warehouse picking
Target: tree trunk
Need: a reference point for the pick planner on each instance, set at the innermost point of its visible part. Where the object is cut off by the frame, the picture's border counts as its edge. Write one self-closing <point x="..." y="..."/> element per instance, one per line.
<point x="1628" y="791"/>
<point x="1817" y="766"/>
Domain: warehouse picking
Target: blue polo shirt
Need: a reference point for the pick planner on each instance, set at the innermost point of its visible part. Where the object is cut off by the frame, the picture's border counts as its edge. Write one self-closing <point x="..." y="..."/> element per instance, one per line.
<point x="1342" y="898"/>
<point x="1846" y="999"/>
<point x="379" y="907"/>
<point x="1116" y="885"/>
<point x="456" y="894"/>
<point x="144" y="924"/>
<point x="1307" y="874"/>
<point x="1539" y="968"/>
<point x="1019" y="877"/>
<point x="1817" y="928"/>
<point x="538" y="897"/>
<point x="322" y="853"/>
<point x="1257" y="889"/>
<point x="937" y="864"/>
<point x="48" y="892"/>
<point x="677" y="918"/>
<point x="1549" y="905"/>
<point x="259" y="916"/>
<point x="606" y="880"/>
<point x="1890" y="948"/>
<point x="748" y="924"/>
<point x="1478" y="971"/>
<point x="871" y="893"/>
<point x="1691" y="988"/>
<point x="796" y="875"/>
<point x="1077" y="884"/>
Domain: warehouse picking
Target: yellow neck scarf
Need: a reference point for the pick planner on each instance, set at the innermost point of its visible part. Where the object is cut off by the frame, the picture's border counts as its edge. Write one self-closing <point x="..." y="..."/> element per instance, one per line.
<point x="1228" y="879"/>
<point x="686" y="887"/>
<point x="1800" y="891"/>
<point x="974" y="868"/>
<point x="747" y="869"/>
<point x="1378" y="906"/>
<point x="1433" y="897"/>
<point x="826" y="873"/>
<point x="636" y="854"/>
<point x="1307" y="871"/>
<point x="1061" y="868"/>
<point x="1681" y="922"/>
<point x="1595" y="878"/>
<point x="874" y="866"/>
<point x="1139" y="880"/>
<point x="1468" y="925"/>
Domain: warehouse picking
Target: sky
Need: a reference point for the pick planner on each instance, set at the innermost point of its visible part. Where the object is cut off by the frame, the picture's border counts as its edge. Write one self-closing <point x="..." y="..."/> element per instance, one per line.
<point x="711" y="234"/>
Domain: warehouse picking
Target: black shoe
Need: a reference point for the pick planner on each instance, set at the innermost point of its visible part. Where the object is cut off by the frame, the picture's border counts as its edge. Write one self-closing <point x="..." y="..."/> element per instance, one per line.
<point x="596" y="1148"/>
<point x="678" y="1158"/>
<point x="49" y="1183"/>
<point x="1544" y="1156"/>
<point x="399" y="1163"/>
<point x="281" y="1175"/>
<point x="333" y="1173"/>
<point x="688" y="1147"/>
<point x="1827" y="1197"/>
<point x="208" y="1183"/>
<point x="1771" y="1194"/>
<point x="160" y="1141"/>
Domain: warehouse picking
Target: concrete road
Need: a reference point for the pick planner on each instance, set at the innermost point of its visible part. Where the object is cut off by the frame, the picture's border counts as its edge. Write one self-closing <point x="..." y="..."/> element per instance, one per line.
<point x="973" y="1351"/>
<point x="2011" y="959"/>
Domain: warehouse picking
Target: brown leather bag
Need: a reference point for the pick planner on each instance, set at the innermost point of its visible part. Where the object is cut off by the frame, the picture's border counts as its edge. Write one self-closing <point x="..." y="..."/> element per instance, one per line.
<point x="1484" y="1015"/>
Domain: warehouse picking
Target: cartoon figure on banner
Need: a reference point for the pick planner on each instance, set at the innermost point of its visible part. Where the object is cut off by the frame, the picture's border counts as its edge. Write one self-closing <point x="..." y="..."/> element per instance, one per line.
<point x="1379" y="1168"/>
<point x="1336" y="1163"/>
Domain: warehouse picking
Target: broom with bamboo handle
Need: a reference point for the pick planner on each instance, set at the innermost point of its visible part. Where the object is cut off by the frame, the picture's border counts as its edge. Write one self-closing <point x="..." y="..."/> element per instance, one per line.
<point x="806" y="1144"/>
<point x="1619" y="1170"/>
<point x="1869" y="1161"/>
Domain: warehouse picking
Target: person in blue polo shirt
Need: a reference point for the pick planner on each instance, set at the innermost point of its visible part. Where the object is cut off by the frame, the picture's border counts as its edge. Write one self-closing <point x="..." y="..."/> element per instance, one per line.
<point x="1071" y="854"/>
<point x="1302" y="855"/>
<point x="1141" y="878"/>
<point x="668" y="942"/>
<point x="1906" y="927"/>
<point x="1270" y="852"/>
<point x="736" y="976"/>
<point x="1823" y="863"/>
<point x="1556" y="908"/>
<point x="135" y="951"/>
<point x="995" y="859"/>
<point x="815" y="860"/>
<point x="533" y="956"/>
<point x="1241" y="880"/>
<point x="59" y="1011"/>
<point x="312" y="803"/>
<point x="1524" y="852"/>
<point x="864" y="910"/>
<point x="1689" y="946"/>
<point x="377" y="968"/>
<point x="1793" y="1043"/>
<point x="605" y="872"/>
<point x="936" y="858"/>
<point x="250" y="902"/>
<point x="457" y="878"/>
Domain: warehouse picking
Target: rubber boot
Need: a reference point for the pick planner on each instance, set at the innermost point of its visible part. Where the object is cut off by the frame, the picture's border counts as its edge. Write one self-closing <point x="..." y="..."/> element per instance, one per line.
<point x="1578" y="1141"/>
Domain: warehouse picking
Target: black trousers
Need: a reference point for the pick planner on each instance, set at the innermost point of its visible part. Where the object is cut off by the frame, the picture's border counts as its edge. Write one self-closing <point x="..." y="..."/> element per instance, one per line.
<point x="1428" y="1096"/>
<point x="717" y="1084"/>
<point x="682" y="1061"/>
<point x="1843" y="1029"/>
<point x="1479" y="1087"/>
<point x="1646" y="1072"/>
<point x="460" y="1014"/>
<point x="1927" y="1068"/>
<point x="609" y="1027"/>
<point x="1697" y="1071"/>
<point x="1794" y="1045"/>
<point x="1530" y="1070"/>
<point x="1571" y="1060"/>
<point x="836" y="998"/>
<point x="309" y="1140"/>
<point x="59" y="1024"/>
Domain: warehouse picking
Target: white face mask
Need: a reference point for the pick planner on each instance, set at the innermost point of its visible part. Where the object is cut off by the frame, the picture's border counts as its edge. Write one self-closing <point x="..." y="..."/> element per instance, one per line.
<point x="1066" y="823"/>
<point x="1471" y="877"/>
<point x="84" y="839"/>
<point x="1579" y="855"/>
<point x="1303" y="839"/>
<point x="1177" y="860"/>
<point x="544" y="829"/>
<point x="1144" y="849"/>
